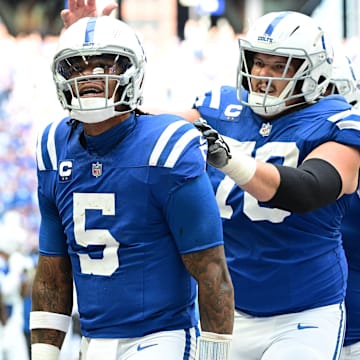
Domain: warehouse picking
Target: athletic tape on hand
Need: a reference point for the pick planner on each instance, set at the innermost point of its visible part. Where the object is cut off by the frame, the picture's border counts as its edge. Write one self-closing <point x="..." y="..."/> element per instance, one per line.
<point x="241" y="168"/>
<point x="44" y="352"/>
<point x="212" y="346"/>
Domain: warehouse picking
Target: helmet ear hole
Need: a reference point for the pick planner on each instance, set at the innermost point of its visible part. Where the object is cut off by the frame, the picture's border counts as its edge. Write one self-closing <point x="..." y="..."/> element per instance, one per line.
<point x="247" y="64"/>
<point x="298" y="86"/>
<point x="323" y="83"/>
<point x="68" y="97"/>
<point x="322" y="79"/>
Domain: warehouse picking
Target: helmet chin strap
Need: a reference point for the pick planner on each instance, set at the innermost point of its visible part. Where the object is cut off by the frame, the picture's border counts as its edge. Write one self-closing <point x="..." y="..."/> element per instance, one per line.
<point x="272" y="107"/>
<point x="93" y="110"/>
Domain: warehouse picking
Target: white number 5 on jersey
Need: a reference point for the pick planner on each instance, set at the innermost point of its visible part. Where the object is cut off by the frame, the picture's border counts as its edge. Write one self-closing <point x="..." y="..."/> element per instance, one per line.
<point x="110" y="261"/>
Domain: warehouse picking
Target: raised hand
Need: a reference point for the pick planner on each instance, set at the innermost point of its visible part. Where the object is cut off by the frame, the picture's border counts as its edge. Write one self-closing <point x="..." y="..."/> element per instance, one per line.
<point x="83" y="8"/>
<point x="218" y="150"/>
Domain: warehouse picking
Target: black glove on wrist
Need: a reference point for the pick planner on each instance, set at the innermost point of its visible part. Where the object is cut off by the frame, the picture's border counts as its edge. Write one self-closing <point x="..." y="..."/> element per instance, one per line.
<point x="218" y="150"/>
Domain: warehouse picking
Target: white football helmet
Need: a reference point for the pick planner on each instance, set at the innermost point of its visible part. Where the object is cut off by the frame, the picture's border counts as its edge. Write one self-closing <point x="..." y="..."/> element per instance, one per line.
<point x="292" y="35"/>
<point x="345" y="80"/>
<point x="99" y="38"/>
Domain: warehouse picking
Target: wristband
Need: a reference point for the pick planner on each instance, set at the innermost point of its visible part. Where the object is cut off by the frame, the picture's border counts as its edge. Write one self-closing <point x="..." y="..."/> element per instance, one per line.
<point x="49" y="320"/>
<point x="44" y="352"/>
<point x="241" y="168"/>
<point x="212" y="346"/>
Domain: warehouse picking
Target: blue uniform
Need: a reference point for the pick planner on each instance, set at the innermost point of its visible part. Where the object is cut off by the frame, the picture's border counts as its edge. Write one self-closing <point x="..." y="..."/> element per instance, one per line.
<point x="351" y="241"/>
<point x="280" y="262"/>
<point x="115" y="208"/>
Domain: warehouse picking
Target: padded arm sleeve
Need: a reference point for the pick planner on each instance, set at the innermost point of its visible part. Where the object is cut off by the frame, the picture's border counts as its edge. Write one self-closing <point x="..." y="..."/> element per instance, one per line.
<point x="314" y="184"/>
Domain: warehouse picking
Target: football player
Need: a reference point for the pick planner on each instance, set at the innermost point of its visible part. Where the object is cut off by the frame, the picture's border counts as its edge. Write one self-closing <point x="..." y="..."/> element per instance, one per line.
<point x="281" y="178"/>
<point x="282" y="170"/>
<point x="345" y="82"/>
<point x="127" y="211"/>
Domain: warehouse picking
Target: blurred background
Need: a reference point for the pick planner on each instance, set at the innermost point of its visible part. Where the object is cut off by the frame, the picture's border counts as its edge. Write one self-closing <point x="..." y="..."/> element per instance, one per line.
<point x="191" y="47"/>
<point x="24" y="16"/>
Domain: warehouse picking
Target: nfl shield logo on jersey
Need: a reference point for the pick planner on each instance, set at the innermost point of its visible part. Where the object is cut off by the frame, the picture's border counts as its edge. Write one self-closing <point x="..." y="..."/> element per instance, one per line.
<point x="96" y="169"/>
<point x="265" y="129"/>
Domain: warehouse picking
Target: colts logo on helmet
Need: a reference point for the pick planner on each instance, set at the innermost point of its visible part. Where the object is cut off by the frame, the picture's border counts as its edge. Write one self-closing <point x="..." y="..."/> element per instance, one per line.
<point x="265" y="38"/>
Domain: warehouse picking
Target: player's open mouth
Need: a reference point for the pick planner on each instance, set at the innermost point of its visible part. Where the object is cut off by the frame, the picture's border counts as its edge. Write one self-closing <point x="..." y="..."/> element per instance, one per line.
<point x="263" y="88"/>
<point x="91" y="91"/>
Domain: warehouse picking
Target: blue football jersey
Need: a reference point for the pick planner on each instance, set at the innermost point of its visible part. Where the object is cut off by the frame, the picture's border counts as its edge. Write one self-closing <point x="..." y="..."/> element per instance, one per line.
<point x="113" y="208"/>
<point x="351" y="241"/>
<point x="280" y="262"/>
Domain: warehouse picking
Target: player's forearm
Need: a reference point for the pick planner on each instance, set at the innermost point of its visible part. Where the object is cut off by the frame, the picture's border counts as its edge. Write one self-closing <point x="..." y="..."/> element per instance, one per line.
<point x="259" y="179"/>
<point x="48" y="328"/>
<point x="265" y="182"/>
<point x="53" y="285"/>
<point x="215" y="289"/>
<point x="216" y="306"/>
<point x="3" y="315"/>
<point x="52" y="301"/>
<point x="47" y="336"/>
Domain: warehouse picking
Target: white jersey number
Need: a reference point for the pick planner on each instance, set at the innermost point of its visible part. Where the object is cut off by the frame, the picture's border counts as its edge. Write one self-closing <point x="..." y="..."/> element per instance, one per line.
<point x="287" y="151"/>
<point x="84" y="237"/>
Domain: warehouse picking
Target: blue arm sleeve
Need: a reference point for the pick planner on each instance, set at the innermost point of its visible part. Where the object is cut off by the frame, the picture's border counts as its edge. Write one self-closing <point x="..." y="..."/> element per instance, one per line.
<point x="193" y="216"/>
<point x="52" y="240"/>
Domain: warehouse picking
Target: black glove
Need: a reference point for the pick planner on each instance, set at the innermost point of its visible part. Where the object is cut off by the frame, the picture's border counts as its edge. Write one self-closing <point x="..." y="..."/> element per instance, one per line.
<point x="218" y="150"/>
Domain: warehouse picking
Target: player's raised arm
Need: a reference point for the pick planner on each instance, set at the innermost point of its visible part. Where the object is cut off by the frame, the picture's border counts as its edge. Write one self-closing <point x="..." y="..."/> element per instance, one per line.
<point x="78" y="9"/>
<point x="323" y="177"/>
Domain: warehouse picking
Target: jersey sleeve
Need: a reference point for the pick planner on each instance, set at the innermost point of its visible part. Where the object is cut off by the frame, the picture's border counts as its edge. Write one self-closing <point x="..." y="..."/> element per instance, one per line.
<point x="347" y="127"/>
<point x="181" y="187"/>
<point x="52" y="240"/>
<point x="219" y="104"/>
<point x="179" y="154"/>
<point x="209" y="103"/>
<point x="193" y="216"/>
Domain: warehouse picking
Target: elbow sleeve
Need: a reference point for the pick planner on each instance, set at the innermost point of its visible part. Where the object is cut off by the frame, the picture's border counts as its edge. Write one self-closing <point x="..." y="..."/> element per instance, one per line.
<point x="314" y="184"/>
